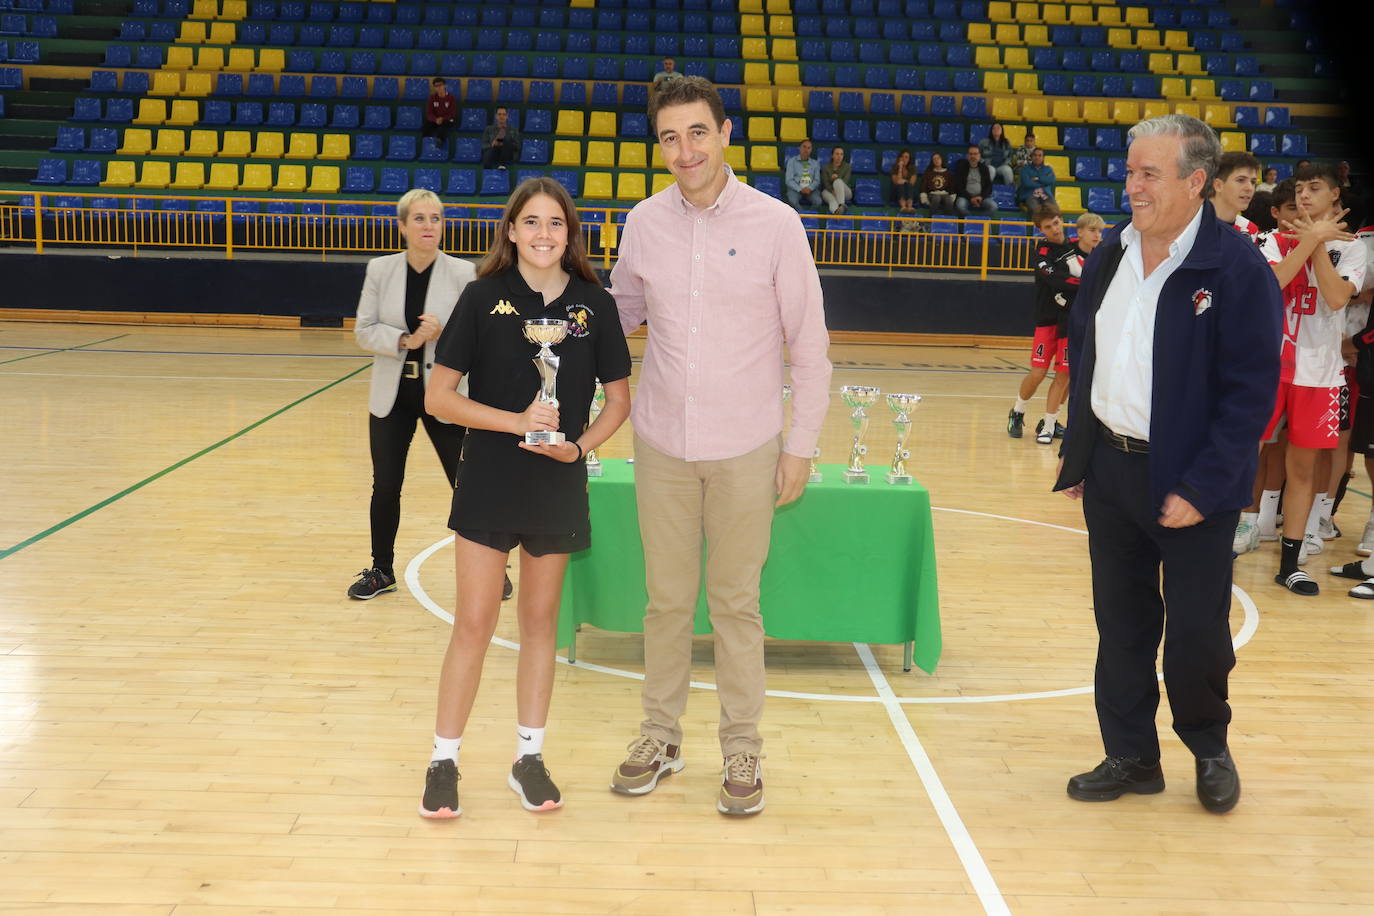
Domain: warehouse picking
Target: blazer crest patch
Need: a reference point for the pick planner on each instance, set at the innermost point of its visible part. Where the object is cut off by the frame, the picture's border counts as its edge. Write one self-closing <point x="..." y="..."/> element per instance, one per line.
<point x="1202" y="301"/>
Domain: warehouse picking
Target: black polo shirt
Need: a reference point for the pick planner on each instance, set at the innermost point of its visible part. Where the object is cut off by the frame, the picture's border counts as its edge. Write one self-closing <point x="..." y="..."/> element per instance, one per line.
<point x="502" y="487"/>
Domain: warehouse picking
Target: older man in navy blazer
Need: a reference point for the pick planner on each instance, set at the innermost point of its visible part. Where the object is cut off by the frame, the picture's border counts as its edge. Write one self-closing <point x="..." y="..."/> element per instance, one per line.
<point x="1174" y="342"/>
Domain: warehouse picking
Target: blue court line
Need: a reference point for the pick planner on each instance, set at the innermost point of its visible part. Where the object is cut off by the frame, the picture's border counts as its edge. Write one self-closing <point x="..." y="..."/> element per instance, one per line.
<point x="194" y="352"/>
<point x="44" y="351"/>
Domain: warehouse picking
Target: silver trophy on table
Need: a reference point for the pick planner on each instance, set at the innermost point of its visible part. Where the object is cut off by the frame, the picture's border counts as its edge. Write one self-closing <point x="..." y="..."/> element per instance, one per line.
<point x="546" y="332"/>
<point x="858" y="397"/>
<point x="598" y="402"/>
<point x="902" y="405"/>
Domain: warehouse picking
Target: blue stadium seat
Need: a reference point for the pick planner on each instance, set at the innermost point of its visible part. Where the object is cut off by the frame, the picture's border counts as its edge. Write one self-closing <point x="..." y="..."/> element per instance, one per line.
<point x="291" y="87"/>
<point x="939" y="81"/>
<point x="825" y="130"/>
<point x="1261" y="91"/>
<point x="248" y="114"/>
<point x="1294" y="145"/>
<point x="103" y="140"/>
<point x="1145" y="87"/>
<point x="868" y="192"/>
<point x="815" y="75"/>
<point x="605" y="95"/>
<point x="855" y="131"/>
<point x="362" y="62"/>
<point x="728" y="72"/>
<point x="812" y="49"/>
<point x="942" y="106"/>
<point x="572" y="95"/>
<point x="1102" y="200"/>
<point x="913" y="106"/>
<point x="281" y="114"/>
<point x="119" y="111"/>
<point x="1110" y="139"/>
<point x="968" y="81"/>
<point x="495" y="182"/>
<point x="377" y="117"/>
<point x="87" y="109"/>
<point x="50" y="171"/>
<point x="540" y="121"/>
<point x="1275" y="116"/>
<point x="847" y="75"/>
<point x="863" y="161"/>
<point x="331" y="62"/>
<point x="394" y="181"/>
<point x="974" y="106"/>
<point x="1076" y="137"/>
<point x="101" y="80"/>
<point x="571" y="181"/>
<point x="462" y="182"/>
<point x="931" y="55"/>
<point x="1056" y="84"/>
<point x="118" y="56"/>
<point x="1116" y="169"/>
<point x="300" y="60"/>
<point x="1246" y="115"/>
<point x="367" y="147"/>
<point x="428" y="179"/>
<point x="148" y="57"/>
<point x="70" y="140"/>
<point x="409" y="118"/>
<point x="887" y="132"/>
<point x="85" y="172"/>
<point x="901" y="53"/>
<point x="951" y="134"/>
<point x="1246" y="66"/>
<point x="637" y="71"/>
<point x="359" y="179"/>
<point x="634" y="124"/>
<point x="842" y="52"/>
<point x="1087" y="168"/>
<point x="770" y="185"/>
<point x="534" y="151"/>
<point x="478" y="91"/>
<point x="346" y="117"/>
<point x="1085" y="84"/>
<point x="1104" y="61"/>
<point x="467" y="150"/>
<point x="919" y="133"/>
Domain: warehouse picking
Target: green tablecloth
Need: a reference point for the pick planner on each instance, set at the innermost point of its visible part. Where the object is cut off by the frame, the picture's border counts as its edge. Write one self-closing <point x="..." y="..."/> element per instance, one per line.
<point x="848" y="563"/>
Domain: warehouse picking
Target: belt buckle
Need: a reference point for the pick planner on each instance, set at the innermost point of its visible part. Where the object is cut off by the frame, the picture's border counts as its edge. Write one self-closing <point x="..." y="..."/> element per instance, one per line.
<point x="412" y="369"/>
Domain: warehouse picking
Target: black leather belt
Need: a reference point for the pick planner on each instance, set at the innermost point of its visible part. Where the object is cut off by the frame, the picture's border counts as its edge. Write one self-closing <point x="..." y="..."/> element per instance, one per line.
<point x="1125" y="443"/>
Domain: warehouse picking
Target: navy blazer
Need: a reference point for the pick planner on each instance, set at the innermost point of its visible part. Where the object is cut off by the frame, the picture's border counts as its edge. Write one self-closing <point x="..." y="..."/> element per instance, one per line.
<point x="1216" y="371"/>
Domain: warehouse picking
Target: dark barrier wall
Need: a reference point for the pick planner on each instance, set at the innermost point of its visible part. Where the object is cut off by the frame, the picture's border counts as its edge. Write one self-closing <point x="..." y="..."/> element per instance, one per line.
<point x="325" y="293"/>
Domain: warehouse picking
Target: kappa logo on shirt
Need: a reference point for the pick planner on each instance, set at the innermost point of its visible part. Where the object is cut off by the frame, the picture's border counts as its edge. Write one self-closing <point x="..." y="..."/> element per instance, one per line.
<point x="578" y="316"/>
<point x="503" y="307"/>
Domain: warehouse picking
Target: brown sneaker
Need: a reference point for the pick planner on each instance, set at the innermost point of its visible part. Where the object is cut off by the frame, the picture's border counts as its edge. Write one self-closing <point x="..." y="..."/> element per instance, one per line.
<point x="742" y="790"/>
<point x="649" y="761"/>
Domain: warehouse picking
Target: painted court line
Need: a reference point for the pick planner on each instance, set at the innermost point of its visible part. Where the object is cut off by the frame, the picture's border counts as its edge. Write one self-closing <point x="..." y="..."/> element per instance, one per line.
<point x="179" y="378"/>
<point x="46" y="351"/>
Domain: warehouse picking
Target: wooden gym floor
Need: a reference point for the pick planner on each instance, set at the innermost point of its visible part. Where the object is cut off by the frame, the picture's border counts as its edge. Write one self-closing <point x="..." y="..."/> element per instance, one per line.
<point x="196" y="720"/>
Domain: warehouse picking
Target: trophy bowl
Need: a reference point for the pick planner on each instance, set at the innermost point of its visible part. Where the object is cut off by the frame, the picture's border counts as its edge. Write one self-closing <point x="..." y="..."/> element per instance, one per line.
<point x="858" y="397"/>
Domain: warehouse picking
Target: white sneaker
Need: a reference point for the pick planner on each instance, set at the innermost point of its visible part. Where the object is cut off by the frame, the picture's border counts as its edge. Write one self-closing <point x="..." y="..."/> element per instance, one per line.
<point x="1311" y="546"/>
<point x="1247" y="537"/>
<point x="1366" y="547"/>
<point x="1326" y="529"/>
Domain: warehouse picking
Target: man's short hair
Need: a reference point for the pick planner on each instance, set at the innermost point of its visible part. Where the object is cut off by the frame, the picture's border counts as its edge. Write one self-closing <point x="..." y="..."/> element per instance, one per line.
<point x="438" y="81"/>
<point x="1091" y="221"/>
<point x="1030" y="135"/>
<point x="1313" y="171"/>
<point x="684" y="91"/>
<point x="1046" y="211"/>
<point x="1285" y="192"/>
<point x="1234" y="160"/>
<point x="1258" y="211"/>
<point x="1199" y="147"/>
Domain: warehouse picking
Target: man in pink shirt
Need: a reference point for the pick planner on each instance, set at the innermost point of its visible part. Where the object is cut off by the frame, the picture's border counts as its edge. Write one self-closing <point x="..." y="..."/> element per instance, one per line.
<point x="725" y="276"/>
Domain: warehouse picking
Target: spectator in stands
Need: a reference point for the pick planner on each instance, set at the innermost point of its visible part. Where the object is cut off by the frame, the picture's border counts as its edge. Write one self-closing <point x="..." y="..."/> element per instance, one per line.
<point x="1022" y="157"/>
<point x="1271" y="178"/>
<point x="500" y="142"/>
<point x="1233" y="187"/>
<point x="1037" y="183"/>
<point x="973" y="185"/>
<point x="904" y="182"/>
<point x="835" y="182"/>
<point x="669" y="71"/>
<point x="935" y="192"/>
<point x="803" y="177"/>
<point x="440" y="111"/>
<point x="997" y="153"/>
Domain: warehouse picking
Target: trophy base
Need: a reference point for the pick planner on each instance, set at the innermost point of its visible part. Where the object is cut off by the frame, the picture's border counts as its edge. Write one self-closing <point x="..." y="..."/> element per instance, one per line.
<point x="855" y="476"/>
<point x="594" y="470"/>
<point x="545" y="437"/>
<point x="814" y="478"/>
<point x="899" y="479"/>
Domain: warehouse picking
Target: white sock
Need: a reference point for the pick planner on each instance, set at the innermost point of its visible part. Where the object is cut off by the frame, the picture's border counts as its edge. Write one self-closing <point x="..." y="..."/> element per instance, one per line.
<point x="528" y="741"/>
<point x="446" y="749"/>
<point x="1050" y="420"/>
<point x="1269" y="512"/>
<point x="1251" y="517"/>
<point x="1021" y="404"/>
<point x="1314" y="516"/>
<point x="1326" y="504"/>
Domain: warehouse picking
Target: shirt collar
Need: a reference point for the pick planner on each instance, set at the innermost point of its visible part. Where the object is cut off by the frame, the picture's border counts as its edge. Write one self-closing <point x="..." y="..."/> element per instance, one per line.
<point x="1179" y="247"/>
<point x="727" y="193"/>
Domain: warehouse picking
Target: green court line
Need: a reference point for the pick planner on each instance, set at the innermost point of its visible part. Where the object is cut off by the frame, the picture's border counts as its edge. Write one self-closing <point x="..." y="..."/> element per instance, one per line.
<point x="167" y="470"/>
<point x="61" y="350"/>
<point x="1008" y="362"/>
<point x="1359" y="493"/>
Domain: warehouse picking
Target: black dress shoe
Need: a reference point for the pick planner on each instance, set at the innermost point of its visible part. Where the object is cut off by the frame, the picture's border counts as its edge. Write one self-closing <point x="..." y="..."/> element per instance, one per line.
<point x="1218" y="784"/>
<point x="1116" y="776"/>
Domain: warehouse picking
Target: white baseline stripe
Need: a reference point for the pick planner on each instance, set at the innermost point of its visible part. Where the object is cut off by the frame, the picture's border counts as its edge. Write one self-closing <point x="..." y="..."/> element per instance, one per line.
<point x="974" y="866"/>
<point x="192" y="378"/>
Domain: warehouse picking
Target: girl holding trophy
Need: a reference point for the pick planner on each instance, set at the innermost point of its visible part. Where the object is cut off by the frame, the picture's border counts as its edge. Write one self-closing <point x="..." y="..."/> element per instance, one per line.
<point x="532" y="334"/>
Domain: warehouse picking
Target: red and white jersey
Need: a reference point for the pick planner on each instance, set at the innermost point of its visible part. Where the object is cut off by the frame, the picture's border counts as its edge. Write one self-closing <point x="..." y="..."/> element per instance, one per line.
<point x="1249" y="228"/>
<point x="1312" y="333"/>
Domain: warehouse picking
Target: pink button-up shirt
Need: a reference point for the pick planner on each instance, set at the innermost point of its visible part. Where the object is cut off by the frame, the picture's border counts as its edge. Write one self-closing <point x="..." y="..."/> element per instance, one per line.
<point x="722" y="289"/>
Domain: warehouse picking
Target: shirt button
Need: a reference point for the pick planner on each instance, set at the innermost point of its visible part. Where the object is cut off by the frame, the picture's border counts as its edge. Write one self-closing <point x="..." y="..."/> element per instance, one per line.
<point x="698" y="219"/>
<point x="696" y="257"/>
<point x="690" y="399"/>
<point x="691" y="365"/>
<point x="694" y="330"/>
<point x="695" y="292"/>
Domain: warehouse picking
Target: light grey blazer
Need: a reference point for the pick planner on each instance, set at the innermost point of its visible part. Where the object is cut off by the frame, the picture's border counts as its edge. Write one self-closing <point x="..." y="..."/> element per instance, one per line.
<point x="382" y="319"/>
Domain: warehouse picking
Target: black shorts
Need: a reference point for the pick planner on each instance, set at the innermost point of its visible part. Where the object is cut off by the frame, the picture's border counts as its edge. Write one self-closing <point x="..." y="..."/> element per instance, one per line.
<point x="536" y="545"/>
<point x="1362" y="431"/>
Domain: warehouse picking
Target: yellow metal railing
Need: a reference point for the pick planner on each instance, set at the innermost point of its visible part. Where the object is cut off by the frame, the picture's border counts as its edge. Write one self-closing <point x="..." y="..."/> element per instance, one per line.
<point x="261" y="224"/>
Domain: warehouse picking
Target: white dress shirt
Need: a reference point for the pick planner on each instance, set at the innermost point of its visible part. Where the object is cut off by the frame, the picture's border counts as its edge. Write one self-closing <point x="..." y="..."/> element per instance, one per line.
<point x="1125" y="327"/>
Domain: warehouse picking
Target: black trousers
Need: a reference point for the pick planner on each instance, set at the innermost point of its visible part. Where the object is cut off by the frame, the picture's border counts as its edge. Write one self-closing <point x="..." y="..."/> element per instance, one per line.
<point x="438" y="131"/>
<point x="502" y="154"/>
<point x="389" y="438"/>
<point x="1128" y="548"/>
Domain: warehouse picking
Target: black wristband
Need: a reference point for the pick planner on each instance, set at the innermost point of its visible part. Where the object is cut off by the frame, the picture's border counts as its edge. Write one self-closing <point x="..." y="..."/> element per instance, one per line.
<point x="579" y="450"/>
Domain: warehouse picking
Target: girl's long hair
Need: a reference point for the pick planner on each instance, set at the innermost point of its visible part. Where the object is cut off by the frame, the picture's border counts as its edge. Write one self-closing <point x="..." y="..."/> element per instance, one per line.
<point x="502" y="254"/>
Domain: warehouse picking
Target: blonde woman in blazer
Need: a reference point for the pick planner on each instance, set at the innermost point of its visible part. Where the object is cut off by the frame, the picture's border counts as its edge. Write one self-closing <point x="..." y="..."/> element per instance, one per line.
<point x="406" y="301"/>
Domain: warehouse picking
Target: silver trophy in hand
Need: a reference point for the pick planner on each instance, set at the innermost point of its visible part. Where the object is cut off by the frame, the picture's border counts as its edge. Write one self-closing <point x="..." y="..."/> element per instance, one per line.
<point x="546" y="332"/>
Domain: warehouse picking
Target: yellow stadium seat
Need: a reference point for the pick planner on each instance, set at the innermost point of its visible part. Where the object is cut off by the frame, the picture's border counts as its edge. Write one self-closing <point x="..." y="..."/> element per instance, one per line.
<point x="1047" y="137"/>
<point x="334" y="146"/>
<point x="1233" y="141"/>
<point x="324" y="179"/>
<point x="185" y="112"/>
<point x="776" y="7"/>
<point x="236" y="144"/>
<point x="205" y="9"/>
<point x="1025" y="84"/>
<point x="1060" y="164"/>
<point x="1028" y="12"/>
<point x="233" y="10"/>
<point x="256" y="177"/>
<point x="756" y="74"/>
<point x="1203" y="90"/>
<point x="734" y="157"/>
<point x="791" y="100"/>
<point x="1065" y="111"/>
<point x="1016" y="59"/>
<point x="1138" y="16"/>
<point x="600" y="154"/>
<point x="118" y="175"/>
<point x="751" y="6"/>
<point x="192" y="32"/>
<point x="190" y="176"/>
<point x="154" y="174"/>
<point x="1109" y="15"/>
<point x="597" y="186"/>
<point x="1081" y="15"/>
<point x="662" y="182"/>
<point x="1177" y="40"/>
<point x="165" y="82"/>
<point x="752" y="24"/>
<point x="987" y="57"/>
<point x="1148" y="40"/>
<point x="996" y="82"/>
<point x="203" y="143"/>
<point x="1005" y="110"/>
<point x="570" y="123"/>
<point x="999" y="11"/>
<point x="1155" y="108"/>
<point x="138" y="141"/>
<point x="783" y="49"/>
<point x="754" y="49"/>
<point x="1119" y="38"/>
<point x="792" y="130"/>
<point x="1054" y="14"/>
<point x="979" y="33"/>
<point x="1070" y="199"/>
<point x="1190" y="65"/>
<point x="179" y="59"/>
<point x="224" y="176"/>
<point x="1037" y="36"/>
<point x="1160" y="62"/>
<point x="303" y="146"/>
<point x="630" y="186"/>
<point x="1218" y="116"/>
<point x="1096" y="111"/>
<point x="270" y="145"/>
<point x="209" y="59"/>
<point x="240" y="60"/>
<point x="783" y="27"/>
<point x="1008" y="33"/>
<point x="1124" y="112"/>
<point x="567" y="153"/>
<point x="1191" y="109"/>
<point x="1015" y="134"/>
<point x="601" y="124"/>
<point x="290" y="178"/>
<point x="763" y="158"/>
<point x="632" y="155"/>
<point x="221" y="33"/>
<point x="786" y="75"/>
<point x="271" y="60"/>
<point x="1173" y="88"/>
<point x="758" y="99"/>
<point x="197" y="85"/>
<point x="761" y="130"/>
<point x="656" y="156"/>
<point x="170" y="143"/>
<point x="151" y="111"/>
